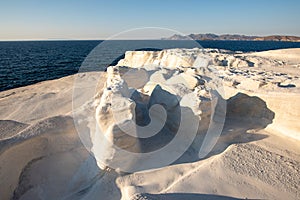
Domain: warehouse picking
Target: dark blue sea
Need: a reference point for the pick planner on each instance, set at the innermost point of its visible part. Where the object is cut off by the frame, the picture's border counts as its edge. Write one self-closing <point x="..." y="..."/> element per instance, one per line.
<point x="27" y="62"/>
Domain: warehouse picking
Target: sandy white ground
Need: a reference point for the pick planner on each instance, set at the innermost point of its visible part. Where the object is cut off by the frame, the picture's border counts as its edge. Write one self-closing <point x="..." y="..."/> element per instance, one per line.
<point x="42" y="157"/>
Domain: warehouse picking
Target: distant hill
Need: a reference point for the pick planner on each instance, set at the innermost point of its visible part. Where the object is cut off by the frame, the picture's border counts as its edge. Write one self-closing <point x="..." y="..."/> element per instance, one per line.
<point x="211" y="36"/>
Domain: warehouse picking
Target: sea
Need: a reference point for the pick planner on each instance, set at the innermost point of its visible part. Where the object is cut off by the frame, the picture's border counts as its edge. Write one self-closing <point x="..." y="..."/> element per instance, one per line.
<point x="27" y="62"/>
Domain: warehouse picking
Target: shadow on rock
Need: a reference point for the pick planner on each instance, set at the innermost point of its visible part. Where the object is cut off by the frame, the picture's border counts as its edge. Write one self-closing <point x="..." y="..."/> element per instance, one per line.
<point x="245" y="116"/>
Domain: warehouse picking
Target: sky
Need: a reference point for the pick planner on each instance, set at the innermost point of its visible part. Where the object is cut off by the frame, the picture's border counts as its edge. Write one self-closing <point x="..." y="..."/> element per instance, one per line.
<point x="97" y="19"/>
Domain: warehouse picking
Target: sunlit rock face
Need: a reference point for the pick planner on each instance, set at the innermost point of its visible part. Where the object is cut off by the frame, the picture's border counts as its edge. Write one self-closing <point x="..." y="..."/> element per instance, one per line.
<point x="114" y="111"/>
<point x="170" y="58"/>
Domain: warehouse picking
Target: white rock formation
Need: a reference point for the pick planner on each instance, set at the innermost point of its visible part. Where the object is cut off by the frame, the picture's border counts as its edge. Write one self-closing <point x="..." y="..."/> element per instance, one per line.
<point x="138" y="103"/>
<point x="256" y="157"/>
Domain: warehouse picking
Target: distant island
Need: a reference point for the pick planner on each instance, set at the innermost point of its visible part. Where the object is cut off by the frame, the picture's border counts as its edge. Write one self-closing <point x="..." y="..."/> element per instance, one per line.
<point x="211" y="36"/>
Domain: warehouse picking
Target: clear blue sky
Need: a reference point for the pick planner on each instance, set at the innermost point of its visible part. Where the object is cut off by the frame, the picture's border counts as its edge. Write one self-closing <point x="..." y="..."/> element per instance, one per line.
<point x="91" y="19"/>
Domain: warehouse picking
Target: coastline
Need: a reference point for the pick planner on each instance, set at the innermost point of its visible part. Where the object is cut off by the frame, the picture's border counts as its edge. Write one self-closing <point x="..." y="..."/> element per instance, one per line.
<point x="250" y="159"/>
<point x="66" y="57"/>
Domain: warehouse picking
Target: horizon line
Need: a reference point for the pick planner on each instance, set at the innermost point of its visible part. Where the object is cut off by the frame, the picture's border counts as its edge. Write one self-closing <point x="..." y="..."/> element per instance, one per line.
<point x="96" y="39"/>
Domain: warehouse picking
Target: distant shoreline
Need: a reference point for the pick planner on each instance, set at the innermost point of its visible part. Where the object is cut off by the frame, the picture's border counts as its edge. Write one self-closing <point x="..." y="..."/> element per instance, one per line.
<point x="234" y="37"/>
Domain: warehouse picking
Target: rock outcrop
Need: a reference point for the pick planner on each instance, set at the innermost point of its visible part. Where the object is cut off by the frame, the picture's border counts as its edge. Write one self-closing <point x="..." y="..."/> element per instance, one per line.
<point x="149" y="116"/>
<point x="146" y="98"/>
